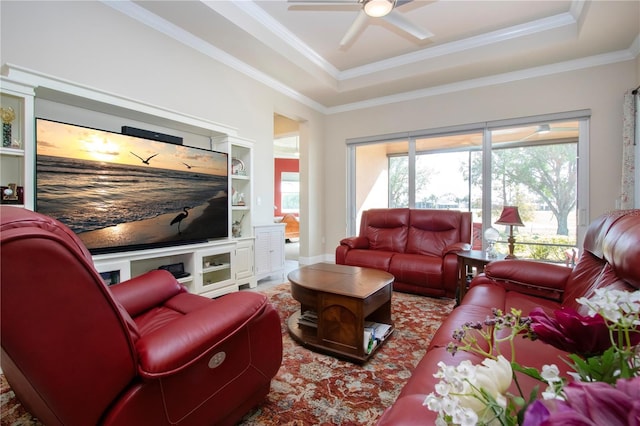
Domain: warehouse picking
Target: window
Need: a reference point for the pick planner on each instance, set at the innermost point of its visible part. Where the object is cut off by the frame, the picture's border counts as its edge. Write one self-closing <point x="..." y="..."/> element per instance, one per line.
<point x="532" y="163"/>
<point x="538" y="173"/>
<point x="290" y="192"/>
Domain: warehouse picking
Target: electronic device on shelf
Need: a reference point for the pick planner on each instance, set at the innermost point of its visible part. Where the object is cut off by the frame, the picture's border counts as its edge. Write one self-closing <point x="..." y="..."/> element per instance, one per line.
<point x="176" y="269"/>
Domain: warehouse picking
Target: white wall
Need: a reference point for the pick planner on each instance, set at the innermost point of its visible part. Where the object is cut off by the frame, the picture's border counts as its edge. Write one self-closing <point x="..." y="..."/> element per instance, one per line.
<point x="600" y="89"/>
<point x="92" y="44"/>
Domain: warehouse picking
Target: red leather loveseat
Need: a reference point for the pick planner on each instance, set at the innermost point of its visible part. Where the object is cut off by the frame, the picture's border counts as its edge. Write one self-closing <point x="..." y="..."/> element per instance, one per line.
<point x="610" y="259"/>
<point x="416" y="246"/>
<point x="143" y="352"/>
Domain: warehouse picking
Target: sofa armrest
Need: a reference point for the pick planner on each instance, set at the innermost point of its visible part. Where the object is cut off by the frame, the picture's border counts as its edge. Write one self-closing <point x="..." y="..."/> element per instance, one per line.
<point x="186" y="340"/>
<point x="347" y="244"/>
<point x="355" y="242"/>
<point x="142" y="293"/>
<point x="528" y="277"/>
<point x="453" y="248"/>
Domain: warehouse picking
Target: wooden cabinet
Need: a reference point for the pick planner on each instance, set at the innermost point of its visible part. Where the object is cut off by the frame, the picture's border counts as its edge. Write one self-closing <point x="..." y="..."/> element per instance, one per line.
<point x="269" y="247"/>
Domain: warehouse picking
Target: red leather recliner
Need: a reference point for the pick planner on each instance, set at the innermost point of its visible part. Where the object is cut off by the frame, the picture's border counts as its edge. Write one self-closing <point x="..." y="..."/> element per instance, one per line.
<point x="143" y="352"/>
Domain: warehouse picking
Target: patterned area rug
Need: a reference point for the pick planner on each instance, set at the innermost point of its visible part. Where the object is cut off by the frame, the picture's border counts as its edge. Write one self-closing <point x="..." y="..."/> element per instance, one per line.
<point x="315" y="389"/>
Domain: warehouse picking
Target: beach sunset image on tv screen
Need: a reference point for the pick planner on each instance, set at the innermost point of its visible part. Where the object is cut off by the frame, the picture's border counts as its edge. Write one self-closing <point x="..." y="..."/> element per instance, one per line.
<point x="119" y="192"/>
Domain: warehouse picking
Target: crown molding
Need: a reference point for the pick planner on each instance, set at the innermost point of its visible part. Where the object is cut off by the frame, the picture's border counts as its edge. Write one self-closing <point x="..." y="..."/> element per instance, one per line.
<point x="593" y="61"/>
<point x="264" y="19"/>
<point x="153" y="21"/>
<point x="142" y="15"/>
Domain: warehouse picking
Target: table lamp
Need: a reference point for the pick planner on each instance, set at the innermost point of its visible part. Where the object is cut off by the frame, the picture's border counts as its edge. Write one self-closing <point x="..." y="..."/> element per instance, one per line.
<point x="511" y="217"/>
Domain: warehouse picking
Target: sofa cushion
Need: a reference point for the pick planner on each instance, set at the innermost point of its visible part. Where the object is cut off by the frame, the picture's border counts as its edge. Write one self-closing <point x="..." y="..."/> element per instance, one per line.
<point x="386" y="229"/>
<point x="582" y="280"/>
<point x="432" y="231"/>
<point x="387" y="239"/>
<point x="458" y="317"/>
<point x="478" y="305"/>
<point x="377" y="259"/>
<point x="408" y="411"/>
<point x="415" y="268"/>
<point x="622" y="250"/>
<point x="422" y="379"/>
<point x="607" y="278"/>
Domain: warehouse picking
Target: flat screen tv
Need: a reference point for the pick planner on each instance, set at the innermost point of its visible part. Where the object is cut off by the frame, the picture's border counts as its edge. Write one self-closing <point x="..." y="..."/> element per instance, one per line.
<point x="120" y="193"/>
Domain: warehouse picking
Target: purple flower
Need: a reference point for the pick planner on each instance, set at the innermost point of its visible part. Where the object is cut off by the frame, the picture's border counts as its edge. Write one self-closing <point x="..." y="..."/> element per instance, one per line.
<point x="545" y="413"/>
<point x="571" y="332"/>
<point x="589" y="403"/>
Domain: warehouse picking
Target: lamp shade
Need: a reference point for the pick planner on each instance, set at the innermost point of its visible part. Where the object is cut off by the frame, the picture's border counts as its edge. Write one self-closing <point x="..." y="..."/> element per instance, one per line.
<point x="510" y="216"/>
<point x="378" y="8"/>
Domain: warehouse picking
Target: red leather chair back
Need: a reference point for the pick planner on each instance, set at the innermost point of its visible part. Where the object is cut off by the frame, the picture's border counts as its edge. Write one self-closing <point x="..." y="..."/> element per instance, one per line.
<point x="622" y="248"/>
<point x="432" y="231"/>
<point x="52" y="299"/>
<point x="386" y="229"/>
<point x="610" y="257"/>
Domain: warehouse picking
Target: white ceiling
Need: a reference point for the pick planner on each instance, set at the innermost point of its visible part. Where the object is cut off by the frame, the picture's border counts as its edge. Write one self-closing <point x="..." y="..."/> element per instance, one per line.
<point x="295" y="48"/>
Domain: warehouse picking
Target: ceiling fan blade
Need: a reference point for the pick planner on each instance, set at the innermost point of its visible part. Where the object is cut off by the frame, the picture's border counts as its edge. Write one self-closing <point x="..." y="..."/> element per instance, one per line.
<point x="323" y="2"/>
<point x="355" y="29"/>
<point x="405" y="25"/>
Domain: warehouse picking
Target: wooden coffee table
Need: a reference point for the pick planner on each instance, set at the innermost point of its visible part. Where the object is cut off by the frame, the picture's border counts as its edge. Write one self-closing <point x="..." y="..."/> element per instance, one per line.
<point x="342" y="298"/>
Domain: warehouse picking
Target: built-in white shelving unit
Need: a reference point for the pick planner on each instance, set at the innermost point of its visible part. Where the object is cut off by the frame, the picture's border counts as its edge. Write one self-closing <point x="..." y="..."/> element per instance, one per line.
<point x="215" y="267"/>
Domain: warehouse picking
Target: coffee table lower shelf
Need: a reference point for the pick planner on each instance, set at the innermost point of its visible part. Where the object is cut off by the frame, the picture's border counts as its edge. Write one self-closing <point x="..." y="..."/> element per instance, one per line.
<point x="308" y="337"/>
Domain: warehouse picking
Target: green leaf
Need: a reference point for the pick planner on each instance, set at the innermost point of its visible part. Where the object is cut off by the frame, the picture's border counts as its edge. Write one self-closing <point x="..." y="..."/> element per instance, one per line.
<point x="601" y="368"/>
<point x="529" y="371"/>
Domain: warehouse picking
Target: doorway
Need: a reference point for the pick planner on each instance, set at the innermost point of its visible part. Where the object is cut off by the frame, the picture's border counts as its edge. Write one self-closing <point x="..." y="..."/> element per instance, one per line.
<point x="286" y="153"/>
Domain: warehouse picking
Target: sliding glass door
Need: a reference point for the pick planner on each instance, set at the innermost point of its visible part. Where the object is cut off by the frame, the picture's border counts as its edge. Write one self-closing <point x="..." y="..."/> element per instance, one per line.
<point x="534" y="166"/>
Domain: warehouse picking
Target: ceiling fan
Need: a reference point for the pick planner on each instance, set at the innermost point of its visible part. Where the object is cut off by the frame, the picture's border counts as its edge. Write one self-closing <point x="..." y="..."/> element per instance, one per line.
<point x="383" y="9"/>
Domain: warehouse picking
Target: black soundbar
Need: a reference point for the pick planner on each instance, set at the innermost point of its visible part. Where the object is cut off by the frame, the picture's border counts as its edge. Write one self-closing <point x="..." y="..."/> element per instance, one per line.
<point x="155" y="136"/>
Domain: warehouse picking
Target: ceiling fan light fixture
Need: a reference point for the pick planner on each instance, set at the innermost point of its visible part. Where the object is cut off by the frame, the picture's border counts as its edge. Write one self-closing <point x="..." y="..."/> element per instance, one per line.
<point x="378" y="8"/>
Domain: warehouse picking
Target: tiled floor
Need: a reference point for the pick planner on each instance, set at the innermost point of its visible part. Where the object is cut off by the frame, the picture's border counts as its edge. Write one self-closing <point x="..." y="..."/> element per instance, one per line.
<point x="289" y="265"/>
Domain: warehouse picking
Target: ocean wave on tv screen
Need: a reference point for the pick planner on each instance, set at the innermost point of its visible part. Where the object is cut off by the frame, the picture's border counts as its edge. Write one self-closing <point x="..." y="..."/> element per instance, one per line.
<point x="89" y="195"/>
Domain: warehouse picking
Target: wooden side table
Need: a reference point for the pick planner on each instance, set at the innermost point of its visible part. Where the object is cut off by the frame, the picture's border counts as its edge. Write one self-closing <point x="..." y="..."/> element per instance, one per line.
<point x="466" y="261"/>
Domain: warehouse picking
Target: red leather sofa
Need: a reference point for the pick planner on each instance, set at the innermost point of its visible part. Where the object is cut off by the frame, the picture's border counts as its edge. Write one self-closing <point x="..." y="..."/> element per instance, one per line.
<point x="610" y="259"/>
<point x="416" y="246"/>
<point x="143" y="352"/>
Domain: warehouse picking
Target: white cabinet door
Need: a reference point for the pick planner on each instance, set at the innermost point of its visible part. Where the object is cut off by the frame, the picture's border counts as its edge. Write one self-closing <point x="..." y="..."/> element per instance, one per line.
<point x="244" y="263"/>
<point x="269" y="249"/>
<point x="276" y="249"/>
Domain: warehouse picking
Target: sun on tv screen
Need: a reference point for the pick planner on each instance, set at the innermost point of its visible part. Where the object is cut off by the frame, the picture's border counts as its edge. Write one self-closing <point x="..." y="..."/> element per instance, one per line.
<point x="119" y="192"/>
